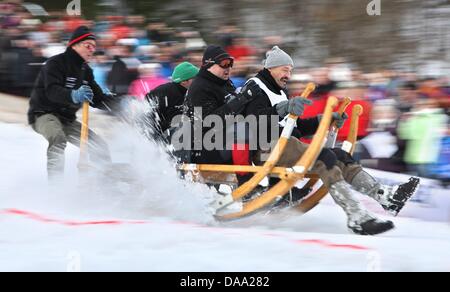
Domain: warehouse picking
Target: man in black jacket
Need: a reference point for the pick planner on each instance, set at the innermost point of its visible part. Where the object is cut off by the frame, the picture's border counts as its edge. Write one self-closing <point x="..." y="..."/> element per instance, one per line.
<point x="63" y="84"/>
<point x="336" y="168"/>
<point x="213" y="93"/>
<point x="168" y="98"/>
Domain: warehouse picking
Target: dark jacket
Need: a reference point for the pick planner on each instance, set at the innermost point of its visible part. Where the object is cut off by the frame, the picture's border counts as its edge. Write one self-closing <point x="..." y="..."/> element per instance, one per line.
<point x="211" y="94"/>
<point x="120" y="77"/>
<point x="169" y="99"/>
<point x="262" y="106"/>
<point x="54" y="84"/>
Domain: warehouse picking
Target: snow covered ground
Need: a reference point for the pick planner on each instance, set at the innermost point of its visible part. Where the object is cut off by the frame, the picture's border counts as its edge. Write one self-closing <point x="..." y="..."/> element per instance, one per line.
<point x="98" y="223"/>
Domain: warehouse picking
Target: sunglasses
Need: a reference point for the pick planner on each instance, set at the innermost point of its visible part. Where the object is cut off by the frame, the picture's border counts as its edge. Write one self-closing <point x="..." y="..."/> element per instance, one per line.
<point x="89" y="46"/>
<point x="226" y="63"/>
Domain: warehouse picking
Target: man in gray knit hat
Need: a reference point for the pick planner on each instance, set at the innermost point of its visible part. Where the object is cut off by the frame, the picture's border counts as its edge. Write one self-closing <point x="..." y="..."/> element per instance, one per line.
<point x="277" y="57"/>
<point x="336" y="168"/>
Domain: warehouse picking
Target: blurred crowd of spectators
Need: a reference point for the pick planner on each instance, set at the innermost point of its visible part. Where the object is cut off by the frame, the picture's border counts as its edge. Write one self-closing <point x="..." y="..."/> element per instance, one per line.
<point x="405" y="126"/>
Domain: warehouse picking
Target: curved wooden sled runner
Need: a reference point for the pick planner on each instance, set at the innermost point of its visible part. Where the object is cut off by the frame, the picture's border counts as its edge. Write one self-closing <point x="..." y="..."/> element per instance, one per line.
<point x="289" y="175"/>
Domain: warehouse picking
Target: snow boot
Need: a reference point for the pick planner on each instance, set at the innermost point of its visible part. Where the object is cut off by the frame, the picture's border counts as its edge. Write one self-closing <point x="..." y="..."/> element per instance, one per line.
<point x="391" y="198"/>
<point x="359" y="219"/>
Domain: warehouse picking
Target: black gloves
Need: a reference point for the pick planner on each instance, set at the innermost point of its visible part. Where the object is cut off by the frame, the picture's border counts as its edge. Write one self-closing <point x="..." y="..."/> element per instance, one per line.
<point x="249" y="92"/>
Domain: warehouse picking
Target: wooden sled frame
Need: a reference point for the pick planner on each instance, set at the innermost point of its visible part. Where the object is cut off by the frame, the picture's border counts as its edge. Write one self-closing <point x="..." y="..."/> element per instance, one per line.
<point x="289" y="175"/>
<point x="275" y="155"/>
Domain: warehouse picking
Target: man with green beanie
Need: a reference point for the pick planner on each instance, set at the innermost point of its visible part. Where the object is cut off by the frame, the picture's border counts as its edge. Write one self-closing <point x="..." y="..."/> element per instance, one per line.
<point x="168" y="98"/>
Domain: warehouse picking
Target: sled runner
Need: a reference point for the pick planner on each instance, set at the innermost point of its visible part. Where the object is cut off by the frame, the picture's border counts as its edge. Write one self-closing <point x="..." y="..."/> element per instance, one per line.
<point x="276" y="154"/>
<point x="290" y="176"/>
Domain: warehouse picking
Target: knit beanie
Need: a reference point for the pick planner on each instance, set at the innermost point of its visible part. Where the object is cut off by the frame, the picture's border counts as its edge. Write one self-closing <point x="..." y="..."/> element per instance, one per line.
<point x="277" y="57"/>
<point x="213" y="55"/>
<point x="82" y="33"/>
<point x="184" y="71"/>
